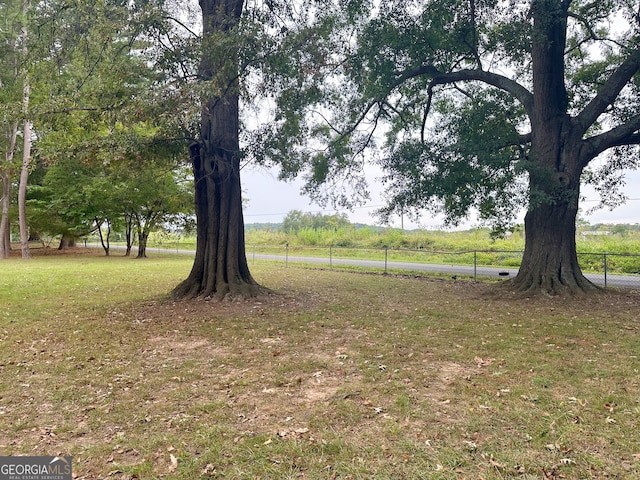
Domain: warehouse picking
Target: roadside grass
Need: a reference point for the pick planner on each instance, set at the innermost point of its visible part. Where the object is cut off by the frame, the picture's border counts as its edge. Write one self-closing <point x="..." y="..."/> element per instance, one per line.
<point x="628" y="264"/>
<point x="337" y="375"/>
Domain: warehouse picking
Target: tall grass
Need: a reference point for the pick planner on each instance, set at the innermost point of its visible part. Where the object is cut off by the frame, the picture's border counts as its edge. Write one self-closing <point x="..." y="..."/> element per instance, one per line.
<point x="455" y="241"/>
<point x="592" y="248"/>
<point x="479" y="239"/>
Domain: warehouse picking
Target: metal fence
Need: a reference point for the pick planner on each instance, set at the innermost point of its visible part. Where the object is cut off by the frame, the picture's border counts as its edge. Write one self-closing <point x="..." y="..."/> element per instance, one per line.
<point x="605" y="269"/>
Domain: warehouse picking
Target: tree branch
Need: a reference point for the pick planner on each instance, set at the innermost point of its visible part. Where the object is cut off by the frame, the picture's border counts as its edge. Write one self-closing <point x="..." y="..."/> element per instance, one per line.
<point x="173" y="19"/>
<point x="524" y="96"/>
<point x="591" y="34"/>
<point x="426" y="112"/>
<point x="609" y="91"/>
<point x="625" y="134"/>
<point x="359" y="120"/>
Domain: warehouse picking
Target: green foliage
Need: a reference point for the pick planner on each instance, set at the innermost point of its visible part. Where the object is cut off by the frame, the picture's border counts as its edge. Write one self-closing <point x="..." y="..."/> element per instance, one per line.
<point x="370" y="237"/>
<point x="66" y="201"/>
<point x="470" y="163"/>
<point x="449" y="86"/>
<point x="296" y="221"/>
<point x="100" y="106"/>
<point x="75" y="197"/>
<point x="155" y="193"/>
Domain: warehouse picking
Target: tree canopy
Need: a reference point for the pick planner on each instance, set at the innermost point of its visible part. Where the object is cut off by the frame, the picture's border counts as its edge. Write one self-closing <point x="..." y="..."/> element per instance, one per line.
<point x="102" y="94"/>
<point x="471" y="105"/>
<point x="467" y="105"/>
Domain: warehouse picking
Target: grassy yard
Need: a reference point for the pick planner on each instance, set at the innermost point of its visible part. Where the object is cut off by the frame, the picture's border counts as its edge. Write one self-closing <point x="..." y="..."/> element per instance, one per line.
<point x="335" y="376"/>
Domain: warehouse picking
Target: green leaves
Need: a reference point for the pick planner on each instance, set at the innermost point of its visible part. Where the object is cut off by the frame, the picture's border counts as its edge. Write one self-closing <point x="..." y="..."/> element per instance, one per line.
<point x="471" y="161"/>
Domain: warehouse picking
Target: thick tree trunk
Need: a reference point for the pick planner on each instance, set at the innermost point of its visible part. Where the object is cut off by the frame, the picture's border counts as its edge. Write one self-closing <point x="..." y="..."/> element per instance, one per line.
<point x="220" y="267"/>
<point x="550" y="262"/>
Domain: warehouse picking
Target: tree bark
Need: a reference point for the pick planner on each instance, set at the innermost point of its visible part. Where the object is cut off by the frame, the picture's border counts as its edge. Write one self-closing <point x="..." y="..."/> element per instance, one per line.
<point x="129" y="222"/>
<point x="5" y="227"/>
<point x="5" y="176"/>
<point x="143" y="237"/>
<point x="22" y="191"/>
<point x="26" y="153"/>
<point x="104" y="240"/>
<point x="220" y="267"/>
<point x="550" y="262"/>
<point x="66" y="242"/>
<point x="145" y="223"/>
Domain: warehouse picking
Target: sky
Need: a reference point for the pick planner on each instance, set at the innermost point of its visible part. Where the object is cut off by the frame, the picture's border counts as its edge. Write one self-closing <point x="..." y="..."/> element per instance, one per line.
<point x="269" y="201"/>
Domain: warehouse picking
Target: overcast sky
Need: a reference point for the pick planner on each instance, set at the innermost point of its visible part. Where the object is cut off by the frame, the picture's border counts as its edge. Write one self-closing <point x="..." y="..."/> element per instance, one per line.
<point x="270" y="200"/>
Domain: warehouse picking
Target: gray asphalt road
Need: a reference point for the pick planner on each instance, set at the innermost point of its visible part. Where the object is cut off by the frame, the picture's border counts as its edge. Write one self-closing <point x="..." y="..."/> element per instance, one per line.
<point x="626" y="281"/>
<point x="623" y="281"/>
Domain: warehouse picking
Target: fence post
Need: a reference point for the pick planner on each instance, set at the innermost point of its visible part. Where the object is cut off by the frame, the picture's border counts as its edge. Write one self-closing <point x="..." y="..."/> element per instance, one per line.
<point x="386" y="256"/>
<point x="605" y="269"/>
<point x="331" y="257"/>
<point x="475" y="266"/>
<point x="286" y="255"/>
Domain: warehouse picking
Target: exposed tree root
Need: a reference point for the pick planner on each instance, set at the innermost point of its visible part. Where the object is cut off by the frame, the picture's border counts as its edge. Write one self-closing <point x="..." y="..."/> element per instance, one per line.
<point x="222" y="292"/>
<point x="533" y="284"/>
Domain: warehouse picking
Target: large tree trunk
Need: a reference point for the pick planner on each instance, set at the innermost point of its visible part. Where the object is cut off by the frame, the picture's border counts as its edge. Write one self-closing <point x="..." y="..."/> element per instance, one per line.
<point x="550" y="263"/>
<point x="220" y="267"/>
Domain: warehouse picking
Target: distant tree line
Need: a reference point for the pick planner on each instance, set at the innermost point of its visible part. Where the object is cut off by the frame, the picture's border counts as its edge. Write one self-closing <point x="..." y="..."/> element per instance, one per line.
<point x="297" y="220"/>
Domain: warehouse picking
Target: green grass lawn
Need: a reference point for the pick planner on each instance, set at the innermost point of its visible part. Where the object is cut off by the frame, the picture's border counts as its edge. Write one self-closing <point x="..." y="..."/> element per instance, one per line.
<point x="337" y="375"/>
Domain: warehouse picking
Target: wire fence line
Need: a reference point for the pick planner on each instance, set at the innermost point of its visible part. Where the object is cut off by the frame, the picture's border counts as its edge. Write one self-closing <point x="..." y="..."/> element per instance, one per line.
<point x="618" y="270"/>
<point x="603" y="268"/>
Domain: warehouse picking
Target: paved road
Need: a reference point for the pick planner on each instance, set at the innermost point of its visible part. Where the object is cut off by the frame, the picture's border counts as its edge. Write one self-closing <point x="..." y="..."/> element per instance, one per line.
<point x="625" y="281"/>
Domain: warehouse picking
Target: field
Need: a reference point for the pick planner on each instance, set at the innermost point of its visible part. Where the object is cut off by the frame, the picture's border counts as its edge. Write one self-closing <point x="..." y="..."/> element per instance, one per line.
<point x="335" y="375"/>
<point x="623" y="239"/>
<point x="618" y="251"/>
